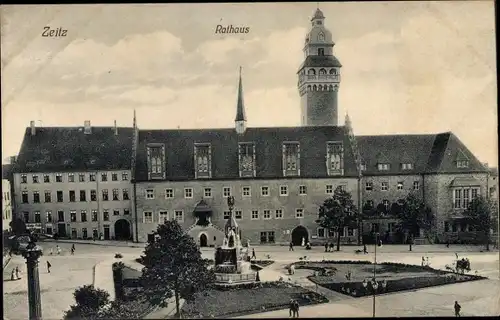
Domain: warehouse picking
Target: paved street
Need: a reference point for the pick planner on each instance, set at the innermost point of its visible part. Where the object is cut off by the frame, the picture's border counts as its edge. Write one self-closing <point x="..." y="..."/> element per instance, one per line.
<point x="477" y="298"/>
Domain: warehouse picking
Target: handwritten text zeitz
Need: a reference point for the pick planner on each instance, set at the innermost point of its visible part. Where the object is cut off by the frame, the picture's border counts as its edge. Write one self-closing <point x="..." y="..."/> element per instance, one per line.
<point x="54" y="32"/>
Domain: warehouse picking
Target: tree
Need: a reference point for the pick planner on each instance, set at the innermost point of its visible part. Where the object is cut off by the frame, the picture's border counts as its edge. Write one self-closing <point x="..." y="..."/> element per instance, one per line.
<point x="173" y="264"/>
<point x="338" y="212"/>
<point x="479" y="216"/>
<point x="18" y="226"/>
<point x="415" y="215"/>
<point x="89" y="303"/>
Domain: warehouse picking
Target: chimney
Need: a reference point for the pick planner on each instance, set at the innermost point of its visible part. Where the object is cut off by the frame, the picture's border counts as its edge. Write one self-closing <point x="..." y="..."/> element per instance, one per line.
<point x="32" y="125"/>
<point x="13" y="159"/>
<point x="87" y="129"/>
<point x="116" y="129"/>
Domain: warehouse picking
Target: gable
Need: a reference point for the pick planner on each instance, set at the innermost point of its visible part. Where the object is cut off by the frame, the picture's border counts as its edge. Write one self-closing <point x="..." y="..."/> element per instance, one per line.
<point x="456" y="151"/>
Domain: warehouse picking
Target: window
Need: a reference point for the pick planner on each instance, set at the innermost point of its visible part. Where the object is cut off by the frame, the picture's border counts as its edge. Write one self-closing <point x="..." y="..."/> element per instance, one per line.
<point x="457" y="196"/>
<point x="329" y="189"/>
<point x="238" y="214"/>
<point x="226" y="192"/>
<point x="263" y="237"/>
<point x="385" y="186"/>
<point x="321" y="51"/>
<point x="169" y="193"/>
<point x="246" y="156"/>
<point x="391" y="227"/>
<point x="179" y="215"/>
<point x="264" y="191"/>
<point x="203" y="160"/>
<point x="94" y="215"/>
<point x="267" y="214"/>
<point x="335" y="158"/>
<point x="207" y="192"/>
<point x="35" y="178"/>
<point x="126" y="212"/>
<point x="93" y="195"/>
<point x="227" y="214"/>
<point x="255" y="214"/>
<point x="46" y="178"/>
<point x="105" y="215"/>
<point x="83" y="215"/>
<point x="162" y="216"/>
<point x="125" y="194"/>
<point x="38" y="217"/>
<point x="72" y="215"/>
<point x="299" y="213"/>
<point x="24" y="197"/>
<point x="267" y="237"/>
<point x="148" y="217"/>
<point x="116" y="212"/>
<point x="383" y="166"/>
<point x="369" y="186"/>
<point x="114" y="177"/>
<point x="350" y="232"/>
<point x="26" y="216"/>
<point x="60" y="216"/>
<point x="59" y="177"/>
<point x="474" y="193"/>
<point x="85" y="234"/>
<point x="279" y="214"/>
<point x="24" y="178"/>
<point x="92" y="177"/>
<point x="462" y="163"/>
<point x="270" y="236"/>
<point x="407" y="166"/>
<point x="36" y="197"/>
<point x="291" y="159"/>
<point x="105" y="195"/>
<point x="246" y="192"/>
<point x="302" y="190"/>
<point x="321" y="232"/>
<point x="124" y="176"/>
<point x="60" y="197"/>
<point x="104" y="176"/>
<point x="465" y="198"/>
<point x="188" y="193"/>
<point x="83" y="195"/>
<point x="81" y="177"/>
<point x="283" y="191"/>
<point x="116" y="194"/>
<point x="342" y="187"/>
<point x="386" y="204"/>
<point x="72" y="196"/>
<point x="156" y="156"/>
<point x="416" y="185"/>
<point x="400" y="185"/>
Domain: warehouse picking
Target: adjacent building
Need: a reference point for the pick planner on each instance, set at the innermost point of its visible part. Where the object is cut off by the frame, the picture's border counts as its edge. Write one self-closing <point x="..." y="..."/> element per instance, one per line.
<point x="6" y="205"/>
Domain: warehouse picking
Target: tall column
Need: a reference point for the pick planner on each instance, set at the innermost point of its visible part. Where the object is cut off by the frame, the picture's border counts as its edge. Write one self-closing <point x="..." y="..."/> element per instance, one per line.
<point x="32" y="254"/>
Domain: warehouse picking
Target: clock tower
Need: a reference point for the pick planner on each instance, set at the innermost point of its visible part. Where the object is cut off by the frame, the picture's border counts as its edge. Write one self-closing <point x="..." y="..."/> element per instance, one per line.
<point x="319" y="76"/>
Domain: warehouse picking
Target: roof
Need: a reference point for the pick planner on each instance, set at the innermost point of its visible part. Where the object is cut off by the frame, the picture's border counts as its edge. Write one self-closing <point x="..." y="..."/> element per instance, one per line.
<point x="320" y="61"/>
<point x="318" y="14"/>
<point x="54" y="149"/>
<point x="465" y="181"/>
<point x="240" y="108"/>
<point x="179" y="151"/>
<point x="202" y="206"/>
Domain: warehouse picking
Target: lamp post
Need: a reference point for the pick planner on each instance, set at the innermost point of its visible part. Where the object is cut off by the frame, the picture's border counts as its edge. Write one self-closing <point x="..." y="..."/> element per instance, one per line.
<point x="32" y="254"/>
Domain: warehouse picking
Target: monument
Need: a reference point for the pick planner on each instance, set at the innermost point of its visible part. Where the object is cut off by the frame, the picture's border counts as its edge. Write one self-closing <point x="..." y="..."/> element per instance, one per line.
<point x="232" y="260"/>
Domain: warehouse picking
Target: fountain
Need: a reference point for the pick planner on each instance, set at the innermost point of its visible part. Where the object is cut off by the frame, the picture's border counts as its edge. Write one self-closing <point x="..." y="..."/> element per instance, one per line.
<point x="232" y="263"/>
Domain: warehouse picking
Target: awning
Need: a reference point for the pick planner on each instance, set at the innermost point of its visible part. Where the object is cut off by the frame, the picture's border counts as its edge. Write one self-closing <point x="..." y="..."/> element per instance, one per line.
<point x="202" y="206"/>
<point x="465" y="182"/>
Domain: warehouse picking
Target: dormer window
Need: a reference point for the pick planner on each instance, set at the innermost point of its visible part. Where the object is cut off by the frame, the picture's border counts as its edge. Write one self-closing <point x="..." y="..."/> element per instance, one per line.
<point x="203" y="160"/>
<point x="246" y="156"/>
<point x="321" y="51"/>
<point x="291" y="159"/>
<point x="383" y="167"/>
<point x="335" y="158"/>
<point x="407" y="166"/>
<point x="156" y="161"/>
<point x="462" y="163"/>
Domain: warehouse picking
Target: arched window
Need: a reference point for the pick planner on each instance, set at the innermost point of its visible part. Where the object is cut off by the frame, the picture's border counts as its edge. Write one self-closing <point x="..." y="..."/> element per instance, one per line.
<point x="321" y="51"/>
<point x="315" y="88"/>
<point x="320" y="87"/>
<point x="309" y="88"/>
<point x="333" y="71"/>
<point x="322" y="71"/>
<point x="331" y="88"/>
<point x="311" y="72"/>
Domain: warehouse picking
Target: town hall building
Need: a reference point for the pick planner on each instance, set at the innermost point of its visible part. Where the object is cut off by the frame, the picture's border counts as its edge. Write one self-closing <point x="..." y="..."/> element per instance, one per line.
<point x="278" y="176"/>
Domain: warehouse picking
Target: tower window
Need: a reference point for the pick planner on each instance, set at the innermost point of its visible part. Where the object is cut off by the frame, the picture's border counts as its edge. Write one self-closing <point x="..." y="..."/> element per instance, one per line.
<point x="333" y="71"/>
<point x="311" y="72"/>
<point x="322" y="71"/>
<point x="321" y="52"/>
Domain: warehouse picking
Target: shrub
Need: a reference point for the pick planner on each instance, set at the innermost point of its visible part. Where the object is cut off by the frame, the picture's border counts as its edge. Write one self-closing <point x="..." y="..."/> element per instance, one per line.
<point x="118" y="256"/>
<point x="89" y="302"/>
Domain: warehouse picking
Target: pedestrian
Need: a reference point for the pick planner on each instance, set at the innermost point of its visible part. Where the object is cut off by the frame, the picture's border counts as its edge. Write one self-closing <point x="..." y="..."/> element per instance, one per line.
<point x="423" y="261"/>
<point x="13" y="275"/>
<point x="58" y="249"/>
<point x="331" y="246"/>
<point x="253" y="254"/>
<point x="290" y="248"/>
<point x="48" y="266"/>
<point x="456" y="255"/>
<point x="365" y="251"/>
<point x="18" y="273"/>
<point x="290" y="308"/>
<point x="292" y="269"/>
<point x="457" y="309"/>
<point x="326" y="246"/>
<point x="447" y="243"/>
<point x="73" y="249"/>
<point x="296" y="308"/>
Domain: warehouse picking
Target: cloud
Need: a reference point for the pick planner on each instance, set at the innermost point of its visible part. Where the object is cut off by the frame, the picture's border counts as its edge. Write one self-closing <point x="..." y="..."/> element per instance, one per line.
<point x="219" y="51"/>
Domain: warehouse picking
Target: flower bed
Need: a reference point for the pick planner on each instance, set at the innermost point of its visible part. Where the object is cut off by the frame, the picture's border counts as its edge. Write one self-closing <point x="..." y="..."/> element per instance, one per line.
<point x="247" y="299"/>
<point x="263" y="263"/>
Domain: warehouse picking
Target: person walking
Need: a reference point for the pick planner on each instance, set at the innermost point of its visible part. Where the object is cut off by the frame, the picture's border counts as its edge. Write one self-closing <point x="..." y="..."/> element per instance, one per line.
<point x="457" y="309"/>
<point x="326" y="246"/>
<point x="253" y="254"/>
<point x="365" y="251"/>
<point x="296" y="308"/>
<point x="73" y="249"/>
<point x="290" y="248"/>
<point x="290" y="308"/>
<point x="18" y="273"/>
<point x="48" y="266"/>
<point x="13" y="275"/>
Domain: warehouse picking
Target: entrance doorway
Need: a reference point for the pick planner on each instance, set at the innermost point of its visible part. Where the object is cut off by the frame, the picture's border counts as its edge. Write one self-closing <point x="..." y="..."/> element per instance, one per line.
<point x="203" y="240"/>
<point x="122" y="230"/>
<point x="61" y="230"/>
<point x="106" y="232"/>
<point x="298" y="234"/>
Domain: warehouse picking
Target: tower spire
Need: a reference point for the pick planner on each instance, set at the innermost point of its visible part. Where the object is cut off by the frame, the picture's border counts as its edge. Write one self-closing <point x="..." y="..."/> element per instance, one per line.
<point x="240" y="121"/>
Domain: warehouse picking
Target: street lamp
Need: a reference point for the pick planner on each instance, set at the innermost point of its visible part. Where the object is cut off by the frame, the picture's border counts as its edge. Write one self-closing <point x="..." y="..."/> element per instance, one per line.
<point x="32" y="253"/>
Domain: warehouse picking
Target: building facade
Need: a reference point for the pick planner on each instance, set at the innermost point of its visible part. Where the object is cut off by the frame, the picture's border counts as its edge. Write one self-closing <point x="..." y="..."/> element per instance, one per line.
<point x="6" y="205"/>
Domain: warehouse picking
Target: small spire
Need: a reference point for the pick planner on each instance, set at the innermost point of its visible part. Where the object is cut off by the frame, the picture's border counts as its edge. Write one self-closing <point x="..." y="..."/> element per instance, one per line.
<point x="240" y="107"/>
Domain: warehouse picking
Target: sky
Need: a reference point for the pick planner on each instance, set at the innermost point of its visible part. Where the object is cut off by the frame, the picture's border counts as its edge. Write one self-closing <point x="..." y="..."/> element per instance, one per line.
<point x="408" y="67"/>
